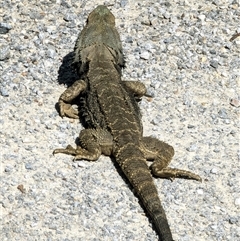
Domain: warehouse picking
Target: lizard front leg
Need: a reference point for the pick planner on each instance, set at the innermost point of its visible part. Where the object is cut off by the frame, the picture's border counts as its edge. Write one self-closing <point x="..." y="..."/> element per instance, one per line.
<point x="161" y="153"/>
<point x="66" y="98"/>
<point x="137" y="88"/>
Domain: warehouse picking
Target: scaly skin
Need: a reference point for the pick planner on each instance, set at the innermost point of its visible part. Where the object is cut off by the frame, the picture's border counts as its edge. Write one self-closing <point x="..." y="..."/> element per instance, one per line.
<point x="112" y="116"/>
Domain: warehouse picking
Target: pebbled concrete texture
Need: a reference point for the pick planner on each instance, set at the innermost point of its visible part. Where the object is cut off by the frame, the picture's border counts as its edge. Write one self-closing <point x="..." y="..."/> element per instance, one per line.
<point x="181" y="50"/>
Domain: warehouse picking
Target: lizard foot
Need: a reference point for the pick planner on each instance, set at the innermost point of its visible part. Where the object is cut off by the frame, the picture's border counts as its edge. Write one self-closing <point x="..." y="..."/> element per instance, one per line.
<point x="69" y="150"/>
<point x="67" y="110"/>
<point x="172" y="173"/>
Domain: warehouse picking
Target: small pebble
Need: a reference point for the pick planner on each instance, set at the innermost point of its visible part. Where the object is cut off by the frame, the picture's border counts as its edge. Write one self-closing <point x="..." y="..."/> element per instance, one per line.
<point x="237" y="202"/>
<point x="233" y="220"/>
<point x="4" y="52"/>
<point x="166" y="15"/>
<point x="4" y="28"/>
<point x="146" y="21"/>
<point x="29" y="166"/>
<point x="235" y="102"/>
<point x="4" y="92"/>
<point x="201" y="17"/>
<point x="145" y="55"/>
<point x="8" y="169"/>
<point x="214" y="170"/>
<point x="223" y="114"/>
<point x="214" y="64"/>
<point x="123" y="3"/>
<point x="51" y="53"/>
<point x="192" y="148"/>
<point x="129" y="39"/>
<point x="200" y="191"/>
<point x="69" y="17"/>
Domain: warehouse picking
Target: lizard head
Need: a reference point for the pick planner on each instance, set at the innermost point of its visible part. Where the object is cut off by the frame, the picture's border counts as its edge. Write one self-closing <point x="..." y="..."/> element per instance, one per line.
<point x="101" y="14"/>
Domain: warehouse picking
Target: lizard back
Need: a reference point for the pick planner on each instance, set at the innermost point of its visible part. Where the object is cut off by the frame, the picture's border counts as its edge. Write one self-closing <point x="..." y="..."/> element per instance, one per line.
<point x="108" y="104"/>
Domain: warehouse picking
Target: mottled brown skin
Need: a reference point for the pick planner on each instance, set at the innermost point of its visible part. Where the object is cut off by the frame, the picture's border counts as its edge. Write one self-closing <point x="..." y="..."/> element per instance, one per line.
<point x="113" y="118"/>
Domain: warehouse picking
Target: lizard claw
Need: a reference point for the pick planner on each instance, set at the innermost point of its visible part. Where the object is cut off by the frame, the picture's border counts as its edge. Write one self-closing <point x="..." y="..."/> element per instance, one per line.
<point x="68" y="111"/>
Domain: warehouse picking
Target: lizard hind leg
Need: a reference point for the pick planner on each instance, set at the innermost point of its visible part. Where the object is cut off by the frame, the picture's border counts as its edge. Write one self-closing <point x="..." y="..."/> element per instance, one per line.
<point x="92" y="143"/>
<point x="161" y="153"/>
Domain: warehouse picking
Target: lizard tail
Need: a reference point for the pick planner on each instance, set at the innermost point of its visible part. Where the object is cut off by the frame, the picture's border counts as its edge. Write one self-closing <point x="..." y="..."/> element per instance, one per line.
<point x="132" y="162"/>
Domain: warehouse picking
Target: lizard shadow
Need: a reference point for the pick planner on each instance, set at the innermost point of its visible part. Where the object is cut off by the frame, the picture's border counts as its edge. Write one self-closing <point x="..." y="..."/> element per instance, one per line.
<point x="67" y="74"/>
